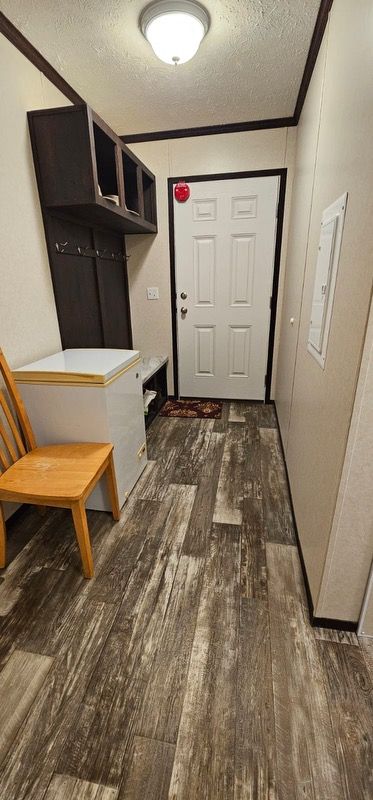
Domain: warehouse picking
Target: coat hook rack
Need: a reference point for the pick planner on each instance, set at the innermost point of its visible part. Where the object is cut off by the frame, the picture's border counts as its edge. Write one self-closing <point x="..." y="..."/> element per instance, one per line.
<point x="70" y="249"/>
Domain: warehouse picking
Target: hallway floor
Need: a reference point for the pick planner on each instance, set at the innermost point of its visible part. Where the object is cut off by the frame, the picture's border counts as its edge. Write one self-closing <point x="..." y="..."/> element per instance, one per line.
<point x="187" y="669"/>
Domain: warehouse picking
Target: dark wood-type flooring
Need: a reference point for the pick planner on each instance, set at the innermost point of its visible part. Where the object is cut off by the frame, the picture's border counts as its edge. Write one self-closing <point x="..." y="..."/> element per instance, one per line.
<point x="187" y="668"/>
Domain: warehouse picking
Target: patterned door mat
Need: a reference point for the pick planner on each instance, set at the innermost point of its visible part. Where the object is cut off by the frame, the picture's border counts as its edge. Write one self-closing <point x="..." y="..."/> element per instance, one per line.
<point x="200" y="409"/>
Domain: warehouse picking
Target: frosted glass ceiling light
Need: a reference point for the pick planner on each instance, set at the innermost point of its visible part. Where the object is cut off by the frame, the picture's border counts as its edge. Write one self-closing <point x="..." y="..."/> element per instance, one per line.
<point x="175" y="29"/>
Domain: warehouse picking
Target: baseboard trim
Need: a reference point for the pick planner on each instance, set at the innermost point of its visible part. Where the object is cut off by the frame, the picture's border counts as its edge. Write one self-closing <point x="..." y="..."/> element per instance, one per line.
<point x="334" y="624"/>
<point x="316" y="622"/>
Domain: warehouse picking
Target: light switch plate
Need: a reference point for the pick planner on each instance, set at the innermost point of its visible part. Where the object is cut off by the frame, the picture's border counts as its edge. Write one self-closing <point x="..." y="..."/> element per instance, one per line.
<point x="152" y="293"/>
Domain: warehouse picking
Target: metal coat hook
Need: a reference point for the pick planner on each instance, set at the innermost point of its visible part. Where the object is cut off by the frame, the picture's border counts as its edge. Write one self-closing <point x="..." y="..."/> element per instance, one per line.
<point x="60" y="246"/>
<point x="70" y="249"/>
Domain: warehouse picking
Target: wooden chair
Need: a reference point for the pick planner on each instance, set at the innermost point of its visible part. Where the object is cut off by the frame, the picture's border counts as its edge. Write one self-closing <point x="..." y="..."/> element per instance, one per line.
<point x="61" y="476"/>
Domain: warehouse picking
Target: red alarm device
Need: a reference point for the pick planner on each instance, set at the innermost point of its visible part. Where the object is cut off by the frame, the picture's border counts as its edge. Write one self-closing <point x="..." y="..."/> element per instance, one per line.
<point x="182" y="192"/>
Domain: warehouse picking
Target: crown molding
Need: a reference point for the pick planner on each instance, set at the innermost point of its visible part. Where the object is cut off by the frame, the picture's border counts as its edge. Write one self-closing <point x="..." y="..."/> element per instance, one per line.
<point x="32" y="54"/>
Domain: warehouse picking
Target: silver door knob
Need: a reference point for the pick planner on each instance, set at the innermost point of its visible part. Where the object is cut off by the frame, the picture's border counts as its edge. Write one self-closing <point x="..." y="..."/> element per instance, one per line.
<point x="183" y="295"/>
<point x="183" y="310"/>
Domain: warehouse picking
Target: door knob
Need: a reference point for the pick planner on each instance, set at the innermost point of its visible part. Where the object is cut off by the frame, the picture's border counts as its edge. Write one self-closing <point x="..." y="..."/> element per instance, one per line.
<point x="183" y="295"/>
<point x="183" y="310"/>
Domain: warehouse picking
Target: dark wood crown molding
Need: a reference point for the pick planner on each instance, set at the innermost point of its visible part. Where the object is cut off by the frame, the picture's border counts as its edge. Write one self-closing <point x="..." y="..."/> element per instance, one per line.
<point x="18" y="40"/>
<point x="261" y="124"/>
<point x="209" y="130"/>
<point x="317" y="37"/>
<point x="24" y="46"/>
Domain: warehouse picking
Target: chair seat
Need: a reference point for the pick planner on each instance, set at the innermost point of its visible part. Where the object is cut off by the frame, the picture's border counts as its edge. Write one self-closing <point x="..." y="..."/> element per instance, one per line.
<point x="56" y="473"/>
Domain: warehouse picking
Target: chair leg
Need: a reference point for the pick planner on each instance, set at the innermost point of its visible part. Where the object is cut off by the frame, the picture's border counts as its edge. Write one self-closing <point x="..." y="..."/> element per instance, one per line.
<point x="82" y="535"/>
<point x="2" y="539"/>
<point x="112" y="487"/>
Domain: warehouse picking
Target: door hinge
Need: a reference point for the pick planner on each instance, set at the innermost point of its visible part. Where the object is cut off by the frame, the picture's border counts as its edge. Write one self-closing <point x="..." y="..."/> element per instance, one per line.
<point x="265" y="381"/>
<point x="270" y="302"/>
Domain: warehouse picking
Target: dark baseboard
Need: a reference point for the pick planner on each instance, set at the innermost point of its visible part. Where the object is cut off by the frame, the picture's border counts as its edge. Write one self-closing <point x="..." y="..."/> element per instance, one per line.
<point x="334" y="624"/>
<point x="223" y="400"/>
<point x="316" y="622"/>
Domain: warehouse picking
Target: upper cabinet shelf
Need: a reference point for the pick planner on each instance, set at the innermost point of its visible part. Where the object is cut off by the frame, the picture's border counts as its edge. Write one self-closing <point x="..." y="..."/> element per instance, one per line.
<point x="81" y="163"/>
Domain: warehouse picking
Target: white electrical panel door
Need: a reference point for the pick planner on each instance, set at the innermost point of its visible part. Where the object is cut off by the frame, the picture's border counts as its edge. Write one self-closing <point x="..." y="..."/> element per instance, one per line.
<point x="325" y="278"/>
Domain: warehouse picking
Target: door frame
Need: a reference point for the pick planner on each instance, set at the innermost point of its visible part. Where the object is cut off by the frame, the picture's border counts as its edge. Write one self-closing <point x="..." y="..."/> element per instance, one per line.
<point x="225" y="176"/>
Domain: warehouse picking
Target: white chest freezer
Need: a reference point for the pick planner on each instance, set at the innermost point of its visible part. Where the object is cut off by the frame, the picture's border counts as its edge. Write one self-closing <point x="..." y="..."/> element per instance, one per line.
<point x="90" y="395"/>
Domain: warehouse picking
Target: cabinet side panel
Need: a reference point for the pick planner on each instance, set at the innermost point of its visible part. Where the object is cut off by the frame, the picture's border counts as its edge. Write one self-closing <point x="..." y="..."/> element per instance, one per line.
<point x="61" y="142"/>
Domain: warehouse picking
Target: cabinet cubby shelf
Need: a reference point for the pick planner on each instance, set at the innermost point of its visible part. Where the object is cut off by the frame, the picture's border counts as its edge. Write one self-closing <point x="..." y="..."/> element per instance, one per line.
<point x="79" y="160"/>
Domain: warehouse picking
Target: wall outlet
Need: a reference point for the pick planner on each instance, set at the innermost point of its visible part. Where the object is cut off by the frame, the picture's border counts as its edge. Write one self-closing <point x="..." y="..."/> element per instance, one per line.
<point x="152" y="293"/>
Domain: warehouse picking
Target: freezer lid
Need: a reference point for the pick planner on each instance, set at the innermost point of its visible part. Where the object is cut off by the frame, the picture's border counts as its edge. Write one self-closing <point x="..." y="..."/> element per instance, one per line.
<point x="81" y="365"/>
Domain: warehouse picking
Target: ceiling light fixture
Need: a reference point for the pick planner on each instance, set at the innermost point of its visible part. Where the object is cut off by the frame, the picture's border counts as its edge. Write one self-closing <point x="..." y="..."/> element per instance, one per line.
<point x="174" y="29"/>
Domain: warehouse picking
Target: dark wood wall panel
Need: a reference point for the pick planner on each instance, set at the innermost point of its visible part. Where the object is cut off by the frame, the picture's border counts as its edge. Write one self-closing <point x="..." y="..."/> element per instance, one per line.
<point x="75" y="286"/>
<point x="91" y="293"/>
<point x="113" y="292"/>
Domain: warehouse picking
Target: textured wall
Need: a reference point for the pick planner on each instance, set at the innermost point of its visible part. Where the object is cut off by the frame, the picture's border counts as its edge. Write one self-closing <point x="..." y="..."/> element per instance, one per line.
<point x="149" y="264"/>
<point x="28" y="320"/>
<point x="319" y="402"/>
<point x="303" y="184"/>
<point x="350" y="550"/>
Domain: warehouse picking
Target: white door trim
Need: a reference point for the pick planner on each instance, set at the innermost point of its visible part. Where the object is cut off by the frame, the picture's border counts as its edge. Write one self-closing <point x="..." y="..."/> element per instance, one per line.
<point x="281" y="172"/>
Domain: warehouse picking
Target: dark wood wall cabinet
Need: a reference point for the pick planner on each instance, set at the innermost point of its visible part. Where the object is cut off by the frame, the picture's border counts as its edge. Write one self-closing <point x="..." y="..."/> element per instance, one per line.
<point x="92" y="190"/>
<point x="81" y="161"/>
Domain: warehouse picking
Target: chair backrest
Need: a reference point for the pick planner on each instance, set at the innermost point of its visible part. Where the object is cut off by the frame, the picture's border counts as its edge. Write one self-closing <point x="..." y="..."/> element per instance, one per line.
<point x="13" y="445"/>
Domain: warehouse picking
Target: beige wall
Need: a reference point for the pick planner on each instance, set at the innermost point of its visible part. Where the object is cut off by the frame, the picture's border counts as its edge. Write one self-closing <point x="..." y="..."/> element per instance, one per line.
<point x="315" y="405"/>
<point x="28" y="320"/>
<point x="149" y="264"/>
<point x="302" y="194"/>
<point x="350" y="549"/>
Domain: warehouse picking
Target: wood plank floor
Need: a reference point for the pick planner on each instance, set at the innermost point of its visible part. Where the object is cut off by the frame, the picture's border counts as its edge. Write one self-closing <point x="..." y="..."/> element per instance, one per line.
<point x="187" y="668"/>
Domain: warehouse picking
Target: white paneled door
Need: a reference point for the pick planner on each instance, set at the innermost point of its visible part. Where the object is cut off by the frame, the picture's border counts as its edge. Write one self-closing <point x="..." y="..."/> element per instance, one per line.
<point x="224" y="256"/>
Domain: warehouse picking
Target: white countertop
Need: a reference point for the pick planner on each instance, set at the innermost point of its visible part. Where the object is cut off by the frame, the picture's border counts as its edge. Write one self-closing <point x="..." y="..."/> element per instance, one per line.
<point x="98" y="364"/>
<point x="151" y="365"/>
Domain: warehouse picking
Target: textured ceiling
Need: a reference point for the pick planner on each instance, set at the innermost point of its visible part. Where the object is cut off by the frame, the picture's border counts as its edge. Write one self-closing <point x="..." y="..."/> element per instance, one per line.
<point x="249" y="66"/>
